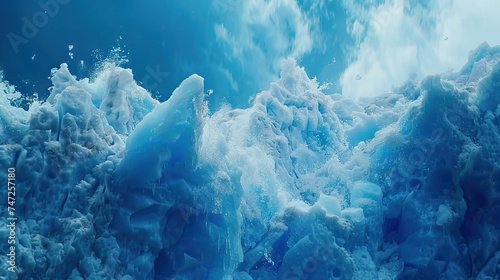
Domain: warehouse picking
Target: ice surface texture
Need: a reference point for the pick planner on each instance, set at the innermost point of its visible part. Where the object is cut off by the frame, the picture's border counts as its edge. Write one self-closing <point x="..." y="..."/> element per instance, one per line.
<point x="301" y="185"/>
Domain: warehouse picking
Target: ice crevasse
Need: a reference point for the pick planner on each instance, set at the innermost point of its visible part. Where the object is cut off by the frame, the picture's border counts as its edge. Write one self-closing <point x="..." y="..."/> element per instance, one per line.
<point x="112" y="184"/>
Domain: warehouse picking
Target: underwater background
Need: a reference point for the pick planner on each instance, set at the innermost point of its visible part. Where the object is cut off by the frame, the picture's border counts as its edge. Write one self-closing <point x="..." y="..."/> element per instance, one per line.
<point x="250" y="139"/>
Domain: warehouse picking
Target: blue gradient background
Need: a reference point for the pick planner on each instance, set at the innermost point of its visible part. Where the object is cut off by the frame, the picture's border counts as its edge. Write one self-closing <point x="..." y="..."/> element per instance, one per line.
<point x="177" y="37"/>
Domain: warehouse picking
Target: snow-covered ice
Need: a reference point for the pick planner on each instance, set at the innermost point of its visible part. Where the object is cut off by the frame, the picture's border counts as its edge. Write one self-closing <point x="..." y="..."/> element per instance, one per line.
<point x="112" y="184"/>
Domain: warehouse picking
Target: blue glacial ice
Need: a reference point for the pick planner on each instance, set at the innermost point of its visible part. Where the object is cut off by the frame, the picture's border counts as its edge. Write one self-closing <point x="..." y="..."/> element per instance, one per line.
<point x="113" y="184"/>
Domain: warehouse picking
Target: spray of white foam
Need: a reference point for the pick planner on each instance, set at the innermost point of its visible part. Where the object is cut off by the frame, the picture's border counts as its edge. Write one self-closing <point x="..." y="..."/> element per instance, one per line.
<point x="397" y="38"/>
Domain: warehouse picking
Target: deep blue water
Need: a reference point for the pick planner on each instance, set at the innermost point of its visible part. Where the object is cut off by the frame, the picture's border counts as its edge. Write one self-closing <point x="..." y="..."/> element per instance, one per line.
<point x="173" y="38"/>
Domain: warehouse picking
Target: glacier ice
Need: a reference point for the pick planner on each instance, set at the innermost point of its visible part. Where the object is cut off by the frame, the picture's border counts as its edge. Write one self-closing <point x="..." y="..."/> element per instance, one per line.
<point x="113" y="184"/>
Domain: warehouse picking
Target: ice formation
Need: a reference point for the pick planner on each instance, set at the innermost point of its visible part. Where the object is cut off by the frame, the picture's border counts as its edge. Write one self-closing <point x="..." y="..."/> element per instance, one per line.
<point x="301" y="185"/>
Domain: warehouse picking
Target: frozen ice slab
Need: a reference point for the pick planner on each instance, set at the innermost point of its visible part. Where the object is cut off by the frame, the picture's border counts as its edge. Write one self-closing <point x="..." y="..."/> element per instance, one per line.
<point x="112" y="184"/>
